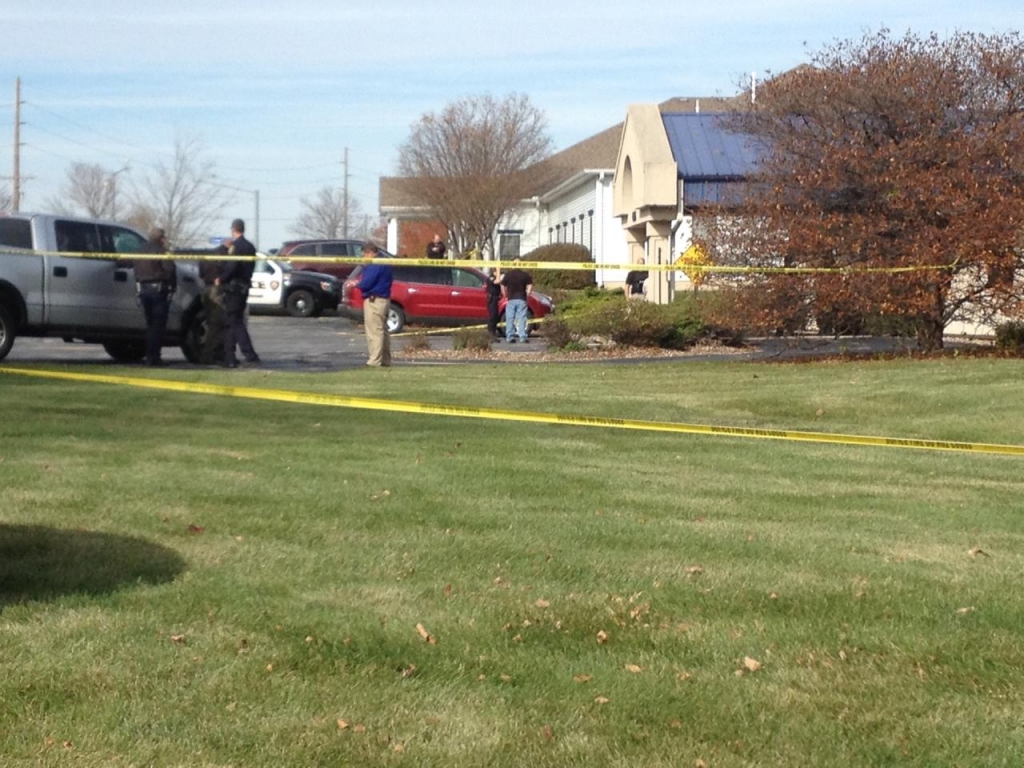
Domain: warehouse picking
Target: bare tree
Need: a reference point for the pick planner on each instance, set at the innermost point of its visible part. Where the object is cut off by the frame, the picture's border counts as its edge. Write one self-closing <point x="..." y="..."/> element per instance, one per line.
<point x="468" y="164"/>
<point x="903" y="158"/>
<point x="183" y="198"/>
<point x="90" y="189"/>
<point x="327" y="217"/>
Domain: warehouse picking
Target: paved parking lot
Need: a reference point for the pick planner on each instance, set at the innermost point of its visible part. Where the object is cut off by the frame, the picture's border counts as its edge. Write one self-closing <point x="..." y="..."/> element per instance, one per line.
<point x="283" y="343"/>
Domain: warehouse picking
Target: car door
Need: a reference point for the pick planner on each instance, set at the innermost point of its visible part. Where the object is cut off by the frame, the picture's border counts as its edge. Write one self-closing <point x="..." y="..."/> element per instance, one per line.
<point x="468" y="296"/>
<point x="267" y="284"/>
<point x="424" y="292"/>
<point x="123" y="310"/>
<point x="82" y="290"/>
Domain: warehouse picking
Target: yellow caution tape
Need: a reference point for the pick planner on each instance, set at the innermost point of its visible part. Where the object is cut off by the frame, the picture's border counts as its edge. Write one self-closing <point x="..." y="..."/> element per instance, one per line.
<point x="401" y="406"/>
<point x="681" y="265"/>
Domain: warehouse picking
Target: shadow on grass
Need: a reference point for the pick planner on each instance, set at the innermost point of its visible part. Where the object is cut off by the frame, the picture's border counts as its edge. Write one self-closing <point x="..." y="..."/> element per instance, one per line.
<point x="38" y="563"/>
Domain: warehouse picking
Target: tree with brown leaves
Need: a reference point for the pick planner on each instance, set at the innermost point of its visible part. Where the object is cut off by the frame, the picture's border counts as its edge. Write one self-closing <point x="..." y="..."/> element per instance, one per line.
<point x="468" y="164"/>
<point x="889" y="154"/>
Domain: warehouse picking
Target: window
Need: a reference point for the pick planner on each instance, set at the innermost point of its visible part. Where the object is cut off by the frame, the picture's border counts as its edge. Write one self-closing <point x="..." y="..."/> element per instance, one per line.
<point x="309" y="249"/>
<point x="77" y="237"/>
<point x="262" y="265"/>
<point x="16" y="233"/>
<point x="120" y="240"/>
<point x="336" y="249"/>
<point x="466" y="279"/>
<point x="509" y="245"/>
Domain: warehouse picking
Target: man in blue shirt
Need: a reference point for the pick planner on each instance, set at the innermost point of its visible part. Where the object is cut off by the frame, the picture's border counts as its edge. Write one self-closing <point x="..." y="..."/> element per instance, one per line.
<point x="375" y="286"/>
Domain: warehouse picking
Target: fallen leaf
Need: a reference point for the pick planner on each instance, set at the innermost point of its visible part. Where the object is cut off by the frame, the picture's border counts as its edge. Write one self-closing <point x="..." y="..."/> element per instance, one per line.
<point x="547" y="732"/>
<point x="542" y="603"/>
<point x="683" y="676"/>
<point x="978" y="551"/>
<point x="505" y="678"/>
<point x="180" y="639"/>
<point x="601" y="700"/>
<point x="427" y="637"/>
<point x="676" y="723"/>
<point x="408" y="671"/>
<point x="447" y="591"/>
<point x="701" y="763"/>
<point x="398" y="747"/>
<point x="965" y="609"/>
<point x="752" y="664"/>
<point x="602" y="637"/>
<point x="694" y="570"/>
<point x="196" y="528"/>
<point x="773" y="596"/>
<point x="582" y="678"/>
<point x="342" y="724"/>
<point x="358" y="728"/>
<point x="634" y="669"/>
<point x="270" y="667"/>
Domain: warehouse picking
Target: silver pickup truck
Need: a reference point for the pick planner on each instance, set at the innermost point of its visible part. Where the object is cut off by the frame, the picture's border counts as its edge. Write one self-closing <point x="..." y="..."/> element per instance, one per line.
<point x="45" y="293"/>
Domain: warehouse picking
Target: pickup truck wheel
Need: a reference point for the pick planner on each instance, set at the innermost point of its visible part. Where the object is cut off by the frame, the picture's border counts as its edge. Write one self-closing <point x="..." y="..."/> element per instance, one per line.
<point x="7" y="331"/>
<point x="396" y="319"/>
<point x="300" y="304"/>
<point x="126" y="351"/>
<point x="193" y="338"/>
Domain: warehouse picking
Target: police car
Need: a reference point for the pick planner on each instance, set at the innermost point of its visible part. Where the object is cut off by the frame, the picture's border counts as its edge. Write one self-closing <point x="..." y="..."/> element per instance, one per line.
<point x="276" y="286"/>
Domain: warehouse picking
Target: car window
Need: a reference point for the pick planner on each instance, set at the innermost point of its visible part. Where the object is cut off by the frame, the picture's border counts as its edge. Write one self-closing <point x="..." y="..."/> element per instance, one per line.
<point x="427" y="275"/>
<point x="334" y="249"/>
<point x="262" y="265"/>
<point x="16" y="233"/>
<point x="309" y="249"/>
<point x="120" y="240"/>
<point x="466" y="279"/>
<point x="76" y="237"/>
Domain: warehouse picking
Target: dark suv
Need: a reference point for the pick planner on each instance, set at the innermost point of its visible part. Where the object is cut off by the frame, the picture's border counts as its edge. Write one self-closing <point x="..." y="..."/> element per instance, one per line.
<point x="293" y="250"/>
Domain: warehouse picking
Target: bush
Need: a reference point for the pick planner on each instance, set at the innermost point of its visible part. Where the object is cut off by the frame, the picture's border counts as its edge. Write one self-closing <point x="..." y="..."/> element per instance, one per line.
<point x="476" y="339"/>
<point x="608" y="315"/>
<point x="1010" y="336"/>
<point x="556" y="332"/>
<point x="418" y="342"/>
<point x="554" y="279"/>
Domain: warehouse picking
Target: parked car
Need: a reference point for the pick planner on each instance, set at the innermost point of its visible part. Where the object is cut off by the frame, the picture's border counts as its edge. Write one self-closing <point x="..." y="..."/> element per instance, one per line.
<point x="294" y="250"/>
<point x="435" y="296"/>
<point x="278" y="285"/>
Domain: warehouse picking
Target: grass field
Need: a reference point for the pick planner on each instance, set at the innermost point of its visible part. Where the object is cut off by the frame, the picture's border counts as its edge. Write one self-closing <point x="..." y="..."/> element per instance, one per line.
<point x="189" y="580"/>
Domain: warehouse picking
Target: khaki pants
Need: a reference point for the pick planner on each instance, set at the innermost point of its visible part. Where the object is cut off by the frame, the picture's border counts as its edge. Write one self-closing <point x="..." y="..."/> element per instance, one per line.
<point x="378" y="340"/>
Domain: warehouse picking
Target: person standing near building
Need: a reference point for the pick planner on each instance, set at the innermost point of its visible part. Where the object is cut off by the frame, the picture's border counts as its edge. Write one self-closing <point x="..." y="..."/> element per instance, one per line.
<point x="235" y="280"/>
<point x="436" y="249"/>
<point x="516" y="287"/>
<point x="156" y="281"/>
<point x="493" y="300"/>
<point x="635" y="282"/>
<point x="375" y="286"/>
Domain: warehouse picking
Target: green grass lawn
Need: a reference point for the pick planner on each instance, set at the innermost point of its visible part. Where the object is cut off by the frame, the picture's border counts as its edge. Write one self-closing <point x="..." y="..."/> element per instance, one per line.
<point x="189" y="580"/>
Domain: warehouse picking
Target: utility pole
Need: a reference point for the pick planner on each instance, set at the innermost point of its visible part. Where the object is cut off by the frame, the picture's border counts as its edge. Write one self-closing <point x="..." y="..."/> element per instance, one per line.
<point x="345" y="203"/>
<point x="16" y="193"/>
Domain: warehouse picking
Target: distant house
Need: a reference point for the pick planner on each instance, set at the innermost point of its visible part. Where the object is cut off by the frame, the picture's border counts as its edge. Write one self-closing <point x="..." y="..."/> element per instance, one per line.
<point x="670" y="165"/>
<point x="572" y="201"/>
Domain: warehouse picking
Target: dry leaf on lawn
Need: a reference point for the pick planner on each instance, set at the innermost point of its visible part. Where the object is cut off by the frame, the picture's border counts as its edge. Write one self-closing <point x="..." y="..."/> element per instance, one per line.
<point x="752" y="664"/>
<point x="694" y="570"/>
<point x="422" y="632"/>
<point x="180" y="639"/>
<point x="601" y="700"/>
<point x="542" y="603"/>
<point x="342" y="724"/>
<point x="634" y="669"/>
<point x="602" y="637"/>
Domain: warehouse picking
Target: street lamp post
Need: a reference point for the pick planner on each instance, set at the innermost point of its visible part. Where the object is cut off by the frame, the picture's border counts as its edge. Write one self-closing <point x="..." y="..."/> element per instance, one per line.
<point x="110" y="183"/>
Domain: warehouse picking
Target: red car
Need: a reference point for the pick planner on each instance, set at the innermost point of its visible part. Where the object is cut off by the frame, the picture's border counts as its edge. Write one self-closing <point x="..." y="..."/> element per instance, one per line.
<point x="441" y="296"/>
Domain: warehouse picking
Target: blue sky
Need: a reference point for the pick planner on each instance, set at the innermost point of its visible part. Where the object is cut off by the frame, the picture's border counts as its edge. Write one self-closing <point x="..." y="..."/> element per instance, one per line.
<point x="277" y="90"/>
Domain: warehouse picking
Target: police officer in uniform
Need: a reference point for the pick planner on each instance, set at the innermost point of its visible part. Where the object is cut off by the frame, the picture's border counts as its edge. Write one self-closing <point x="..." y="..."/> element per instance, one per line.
<point x="235" y="279"/>
<point x="156" y="281"/>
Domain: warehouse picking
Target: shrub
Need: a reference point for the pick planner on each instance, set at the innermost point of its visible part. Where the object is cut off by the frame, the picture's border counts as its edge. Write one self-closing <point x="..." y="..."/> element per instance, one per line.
<point x="553" y="279"/>
<point x="1010" y="336"/>
<point x="556" y="331"/>
<point x="474" y="339"/>
<point x="608" y="314"/>
<point x="418" y="342"/>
